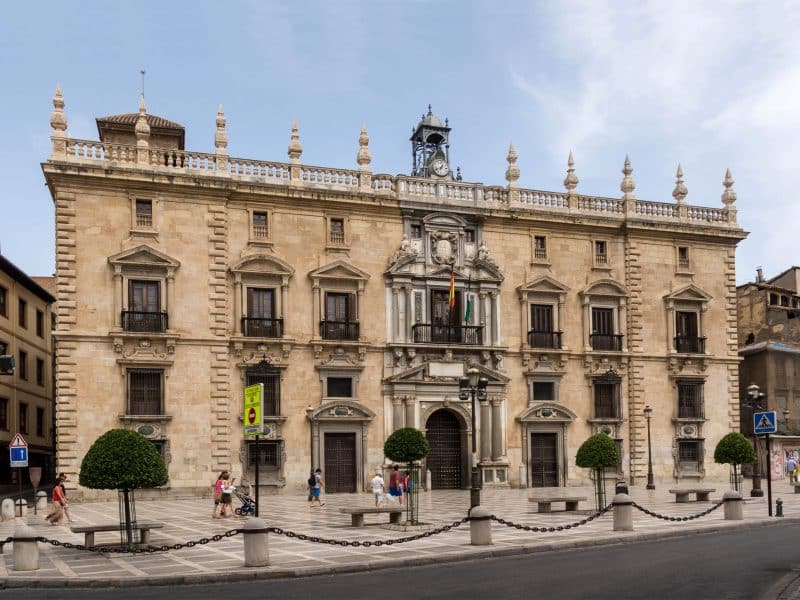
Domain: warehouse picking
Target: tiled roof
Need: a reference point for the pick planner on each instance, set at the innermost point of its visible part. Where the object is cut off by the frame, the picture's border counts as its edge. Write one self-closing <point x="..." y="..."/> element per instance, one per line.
<point x="47" y="283"/>
<point x="130" y="119"/>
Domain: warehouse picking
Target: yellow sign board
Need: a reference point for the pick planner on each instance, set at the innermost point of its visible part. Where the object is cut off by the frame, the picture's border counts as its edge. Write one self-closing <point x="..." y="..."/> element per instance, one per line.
<point x="253" y="409"/>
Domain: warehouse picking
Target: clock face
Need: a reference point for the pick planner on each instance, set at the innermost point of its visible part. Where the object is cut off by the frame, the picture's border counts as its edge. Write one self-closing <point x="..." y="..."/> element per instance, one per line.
<point x="439" y="167"/>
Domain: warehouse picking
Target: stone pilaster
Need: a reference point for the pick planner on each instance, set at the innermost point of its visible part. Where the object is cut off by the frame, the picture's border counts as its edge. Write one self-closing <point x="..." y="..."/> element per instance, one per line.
<point x="732" y="343"/>
<point x="634" y="336"/>
<point x="485" y="431"/>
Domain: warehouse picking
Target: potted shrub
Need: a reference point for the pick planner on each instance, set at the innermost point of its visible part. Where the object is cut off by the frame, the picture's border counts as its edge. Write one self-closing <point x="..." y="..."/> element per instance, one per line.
<point x="598" y="453"/>
<point x="734" y="449"/>
<point x="408" y="445"/>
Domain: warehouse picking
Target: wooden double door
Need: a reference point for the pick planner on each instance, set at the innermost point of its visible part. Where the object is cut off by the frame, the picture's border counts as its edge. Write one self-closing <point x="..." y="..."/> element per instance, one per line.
<point x="340" y="462"/>
<point x="544" y="465"/>
<point x="446" y="456"/>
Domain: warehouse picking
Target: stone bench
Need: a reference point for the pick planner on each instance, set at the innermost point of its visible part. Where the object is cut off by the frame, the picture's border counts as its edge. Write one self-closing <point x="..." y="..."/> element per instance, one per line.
<point x="701" y="494"/>
<point x="90" y="530"/>
<point x="357" y="514"/>
<point x="545" y="502"/>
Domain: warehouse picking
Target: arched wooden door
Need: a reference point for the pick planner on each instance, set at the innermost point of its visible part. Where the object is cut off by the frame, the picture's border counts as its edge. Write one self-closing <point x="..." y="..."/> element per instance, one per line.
<point x="445" y="455"/>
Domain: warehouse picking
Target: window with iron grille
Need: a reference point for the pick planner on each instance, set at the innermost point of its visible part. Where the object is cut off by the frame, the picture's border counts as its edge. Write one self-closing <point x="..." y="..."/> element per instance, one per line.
<point x="469" y="236"/>
<point x="23" y="417"/>
<point x="269" y="454"/>
<point x="540" y="247"/>
<point x="23" y="313"/>
<point x="4" y="414"/>
<point x="689" y="453"/>
<point x="3" y="302"/>
<point x="600" y="253"/>
<point x="145" y="392"/>
<point x="337" y="231"/>
<point x="39" y="371"/>
<point x="39" y="421"/>
<point x="683" y="257"/>
<point x="272" y="390"/>
<point x="690" y="400"/>
<point x="260" y="225"/>
<point x="416" y="231"/>
<point x="543" y="391"/>
<point x="340" y="387"/>
<point x="39" y="323"/>
<point x="605" y="400"/>
<point x="144" y="213"/>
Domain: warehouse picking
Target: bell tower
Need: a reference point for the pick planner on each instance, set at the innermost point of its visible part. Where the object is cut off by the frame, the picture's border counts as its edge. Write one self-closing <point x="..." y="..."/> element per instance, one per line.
<point x="430" y="148"/>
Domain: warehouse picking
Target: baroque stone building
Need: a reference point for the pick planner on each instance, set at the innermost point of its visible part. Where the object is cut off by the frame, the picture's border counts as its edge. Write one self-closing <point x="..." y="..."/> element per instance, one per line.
<point x="360" y="299"/>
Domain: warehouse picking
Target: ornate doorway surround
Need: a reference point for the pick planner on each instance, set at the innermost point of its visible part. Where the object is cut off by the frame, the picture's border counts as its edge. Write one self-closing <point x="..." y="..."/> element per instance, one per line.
<point x="540" y="419"/>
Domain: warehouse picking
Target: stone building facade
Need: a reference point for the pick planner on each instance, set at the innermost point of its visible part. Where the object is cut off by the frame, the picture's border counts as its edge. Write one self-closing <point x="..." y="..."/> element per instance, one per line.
<point x="360" y="299"/>
<point x="26" y="394"/>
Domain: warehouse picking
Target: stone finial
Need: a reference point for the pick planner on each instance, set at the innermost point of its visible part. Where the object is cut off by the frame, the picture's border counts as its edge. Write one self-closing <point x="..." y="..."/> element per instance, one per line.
<point x="221" y="136"/>
<point x="729" y="195"/>
<point x="142" y="128"/>
<point x="512" y="172"/>
<point x="364" y="156"/>
<point x="295" y="149"/>
<point x="628" y="184"/>
<point x="58" y="120"/>
<point x="571" y="180"/>
<point x="680" y="192"/>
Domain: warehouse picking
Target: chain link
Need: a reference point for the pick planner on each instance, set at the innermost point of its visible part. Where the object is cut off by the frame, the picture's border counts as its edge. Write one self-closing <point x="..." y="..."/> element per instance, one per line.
<point x="689" y="518"/>
<point x="591" y="517"/>
<point x="142" y="550"/>
<point x="3" y="543"/>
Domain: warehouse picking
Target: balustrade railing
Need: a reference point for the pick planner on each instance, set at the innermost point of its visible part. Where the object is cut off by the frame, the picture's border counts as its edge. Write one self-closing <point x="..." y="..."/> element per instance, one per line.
<point x="260" y="327"/>
<point x="690" y="344"/>
<point x="325" y="176"/>
<point x="543" y="199"/>
<point x="606" y="341"/>
<point x="544" y="339"/>
<point x="153" y="322"/>
<point x="259" y="169"/>
<point x="339" y="330"/>
<point x="426" y="333"/>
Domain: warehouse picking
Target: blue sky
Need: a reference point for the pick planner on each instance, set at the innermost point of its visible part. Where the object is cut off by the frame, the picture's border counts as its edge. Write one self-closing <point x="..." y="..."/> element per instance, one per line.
<point x="710" y="85"/>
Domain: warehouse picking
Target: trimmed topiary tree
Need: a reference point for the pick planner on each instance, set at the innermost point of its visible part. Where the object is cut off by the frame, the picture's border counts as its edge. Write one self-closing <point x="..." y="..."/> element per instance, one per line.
<point x="407" y="445"/>
<point x="123" y="460"/>
<point x="734" y="449"/>
<point x="598" y="453"/>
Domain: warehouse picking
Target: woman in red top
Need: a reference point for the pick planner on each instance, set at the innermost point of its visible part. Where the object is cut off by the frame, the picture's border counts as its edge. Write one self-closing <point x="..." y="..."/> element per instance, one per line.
<point x="59" y="503"/>
<point x="395" y="488"/>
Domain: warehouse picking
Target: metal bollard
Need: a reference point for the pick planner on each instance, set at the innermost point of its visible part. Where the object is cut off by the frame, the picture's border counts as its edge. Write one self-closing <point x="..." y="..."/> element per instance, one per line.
<point x="778" y="507"/>
<point x="480" y="527"/>
<point x="256" y="543"/>
<point x="26" y="548"/>
<point x="623" y="512"/>
<point x="733" y="506"/>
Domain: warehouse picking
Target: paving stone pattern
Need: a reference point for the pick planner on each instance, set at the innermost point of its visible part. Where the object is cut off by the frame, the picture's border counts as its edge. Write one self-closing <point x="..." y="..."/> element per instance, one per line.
<point x="186" y="520"/>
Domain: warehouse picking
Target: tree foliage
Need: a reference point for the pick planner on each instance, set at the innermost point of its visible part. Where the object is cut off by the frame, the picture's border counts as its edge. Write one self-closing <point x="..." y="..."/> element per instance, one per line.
<point x="598" y="452"/>
<point x="734" y="449"/>
<point x="406" y="445"/>
<point x="122" y="460"/>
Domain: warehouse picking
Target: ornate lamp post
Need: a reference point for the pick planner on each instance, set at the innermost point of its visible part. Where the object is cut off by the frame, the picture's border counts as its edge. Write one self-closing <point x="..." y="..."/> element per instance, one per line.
<point x="648" y="414"/>
<point x="475" y="386"/>
<point x="754" y="401"/>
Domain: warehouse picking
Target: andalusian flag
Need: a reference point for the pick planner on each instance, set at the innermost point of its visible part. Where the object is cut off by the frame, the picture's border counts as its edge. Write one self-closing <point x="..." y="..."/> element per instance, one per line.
<point x="468" y="309"/>
<point x="452" y="291"/>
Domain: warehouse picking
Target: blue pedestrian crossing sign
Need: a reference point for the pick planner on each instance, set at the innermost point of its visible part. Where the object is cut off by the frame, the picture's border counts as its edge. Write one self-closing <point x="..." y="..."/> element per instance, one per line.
<point x="18" y="452"/>
<point x="765" y="422"/>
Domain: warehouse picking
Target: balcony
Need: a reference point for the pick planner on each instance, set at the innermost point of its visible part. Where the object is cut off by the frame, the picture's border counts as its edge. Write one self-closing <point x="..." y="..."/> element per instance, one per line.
<point x="544" y="339"/>
<point x="264" y="328"/>
<point x="690" y="344"/>
<point x="151" y="322"/>
<point x="468" y="335"/>
<point x="606" y="341"/>
<point x="339" y="330"/>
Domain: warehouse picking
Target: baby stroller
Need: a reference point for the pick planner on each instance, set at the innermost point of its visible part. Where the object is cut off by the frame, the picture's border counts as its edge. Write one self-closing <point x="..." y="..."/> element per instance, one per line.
<point x="248" y="507"/>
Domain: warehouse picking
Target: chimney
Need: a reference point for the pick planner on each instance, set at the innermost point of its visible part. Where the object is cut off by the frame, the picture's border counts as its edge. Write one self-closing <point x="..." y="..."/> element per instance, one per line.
<point x="759" y="275"/>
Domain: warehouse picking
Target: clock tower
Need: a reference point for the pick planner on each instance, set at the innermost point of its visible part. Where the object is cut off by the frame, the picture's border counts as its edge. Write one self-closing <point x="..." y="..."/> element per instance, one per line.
<point x="430" y="148"/>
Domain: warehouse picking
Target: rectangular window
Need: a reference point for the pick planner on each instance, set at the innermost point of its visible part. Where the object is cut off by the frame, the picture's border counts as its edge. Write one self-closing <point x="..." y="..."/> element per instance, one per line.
<point x="144" y="307"/>
<point x="39" y="421"/>
<point x="689" y="452"/>
<point x="144" y="213"/>
<point x="272" y="390"/>
<point x="544" y="391"/>
<point x="39" y="371"/>
<point x="337" y="231"/>
<point x="23" y="313"/>
<point x="683" y="258"/>
<point x="260" y="320"/>
<point x="416" y="231"/>
<point x="23" y="365"/>
<point x="540" y="247"/>
<point x="23" y="417"/>
<point x="600" y="253"/>
<point x="3" y="302"/>
<point x="145" y="394"/>
<point x="340" y="318"/>
<point x="603" y="336"/>
<point x="269" y="455"/>
<point x="340" y="387"/>
<point x="690" y="400"/>
<point x="260" y="225"/>
<point x="4" y="414"/>
<point x="39" y="323"/>
<point x="605" y="400"/>
<point x="686" y="333"/>
<point x="469" y="236"/>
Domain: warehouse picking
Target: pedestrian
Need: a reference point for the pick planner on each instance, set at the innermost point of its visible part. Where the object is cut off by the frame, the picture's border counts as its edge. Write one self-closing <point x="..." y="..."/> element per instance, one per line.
<point x="791" y="468"/>
<point x="227" y="491"/>
<point x="63" y="477"/>
<point x="218" y="495"/>
<point x="377" y="488"/>
<point x="59" y="501"/>
<point x="316" y="489"/>
<point x="395" y="485"/>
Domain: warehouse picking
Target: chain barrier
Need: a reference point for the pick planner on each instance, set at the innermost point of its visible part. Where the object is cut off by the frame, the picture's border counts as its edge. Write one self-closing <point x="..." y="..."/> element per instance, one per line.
<point x="3" y="543"/>
<point x="367" y="543"/>
<point x="689" y="518"/>
<point x="142" y="550"/>
<point x="591" y="517"/>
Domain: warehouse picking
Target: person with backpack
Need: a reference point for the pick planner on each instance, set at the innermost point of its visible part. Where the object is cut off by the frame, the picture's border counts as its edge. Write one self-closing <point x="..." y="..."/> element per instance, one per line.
<point x="315" y="486"/>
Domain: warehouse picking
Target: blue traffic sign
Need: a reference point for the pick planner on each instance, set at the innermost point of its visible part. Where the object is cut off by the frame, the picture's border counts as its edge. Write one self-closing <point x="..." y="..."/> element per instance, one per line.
<point x="19" y="456"/>
<point x="765" y="422"/>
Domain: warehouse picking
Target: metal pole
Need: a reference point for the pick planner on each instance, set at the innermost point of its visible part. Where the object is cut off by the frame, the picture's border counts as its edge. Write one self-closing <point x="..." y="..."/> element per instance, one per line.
<point x="258" y="457"/>
<point x="19" y="500"/>
<point x="757" y="492"/>
<point x="475" y="490"/>
<point x="769" y="477"/>
<point x="650" y="484"/>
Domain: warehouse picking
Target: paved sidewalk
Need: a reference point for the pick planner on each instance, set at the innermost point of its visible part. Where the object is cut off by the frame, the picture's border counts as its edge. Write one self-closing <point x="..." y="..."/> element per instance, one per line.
<point x="186" y="520"/>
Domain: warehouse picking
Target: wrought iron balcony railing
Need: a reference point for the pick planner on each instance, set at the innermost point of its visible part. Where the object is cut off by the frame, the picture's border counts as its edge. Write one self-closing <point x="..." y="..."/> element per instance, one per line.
<point x="339" y="330"/>
<point x="544" y="339"/>
<point x="153" y="322"/>
<point x="259" y="327"/>
<point x="606" y="341"/>
<point x="690" y="344"/>
<point x="425" y="333"/>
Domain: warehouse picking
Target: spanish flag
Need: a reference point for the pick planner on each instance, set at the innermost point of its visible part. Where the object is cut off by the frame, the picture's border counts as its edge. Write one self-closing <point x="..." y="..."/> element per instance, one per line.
<point x="452" y="290"/>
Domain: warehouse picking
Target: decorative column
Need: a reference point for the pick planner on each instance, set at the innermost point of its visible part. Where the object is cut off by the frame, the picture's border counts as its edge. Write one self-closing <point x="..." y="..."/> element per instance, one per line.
<point x="411" y="402"/>
<point x="237" y="304"/>
<point x="118" y="296"/>
<point x="221" y="143"/>
<point x="395" y="313"/>
<point x="142" y="131"/>
<point x="294" y="152"/>
<point x="486" y="430"/>
<point x="397" y="412"/>
<point x="623" y="322"/>
<point x="406" y="331"/>
<point x="497" y="427"/>
<point x="316" y="310"/>
<point x="587" y="325"/>
<point x="671" y="325"/>
<point x="58" y="121"/>
<point x="171" y="306"/>
<point x="523" y="319"/>
<point x="562" y="301"/>
<point x="284" y="301"/>
<point x="494" y="301"/>
<point x="482" y="315"/>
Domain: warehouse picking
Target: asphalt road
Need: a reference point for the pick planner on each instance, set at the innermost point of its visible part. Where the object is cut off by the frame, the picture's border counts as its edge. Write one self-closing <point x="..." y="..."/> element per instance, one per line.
<point x="742" y="564"/>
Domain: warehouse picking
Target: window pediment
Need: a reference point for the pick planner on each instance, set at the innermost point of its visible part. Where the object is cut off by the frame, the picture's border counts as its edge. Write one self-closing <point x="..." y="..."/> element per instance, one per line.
<point x="543" y="285"/>
<point x="263" y="264"/>
<point x="341" y="270"/>
<point x="443" y="220"/>
<point x="422" y="373"/>
<point x="690" y="293"/>
<point x="605" y="287"/>
<point x="143" y="257"/>
<point x="341" y="410"/>
<point x="547" y="412"/>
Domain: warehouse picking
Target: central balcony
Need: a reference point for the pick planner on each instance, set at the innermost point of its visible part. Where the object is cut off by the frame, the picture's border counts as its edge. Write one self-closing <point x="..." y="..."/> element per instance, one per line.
<point x="259" y="327"/>
<point x="690" y="344"/>
<point x="339" y="330"/>
<point x="606" y="341"/>
<point x="544" y="339"/>
<point x="146" y="322"/>
<point x="468" y="335"/>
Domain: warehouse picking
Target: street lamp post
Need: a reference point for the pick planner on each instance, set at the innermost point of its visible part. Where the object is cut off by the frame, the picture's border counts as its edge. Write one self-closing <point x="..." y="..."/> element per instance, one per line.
<point x="648" y="414"/>
<point x="475" y="386"/>
<point x="754" y="401"/>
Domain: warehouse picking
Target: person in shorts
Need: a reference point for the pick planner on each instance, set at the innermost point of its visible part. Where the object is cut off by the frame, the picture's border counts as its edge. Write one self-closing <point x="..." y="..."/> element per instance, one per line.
<point x="395" y="485"/>
<point x="377" y="488"/>
<point x="316" y="489"/>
